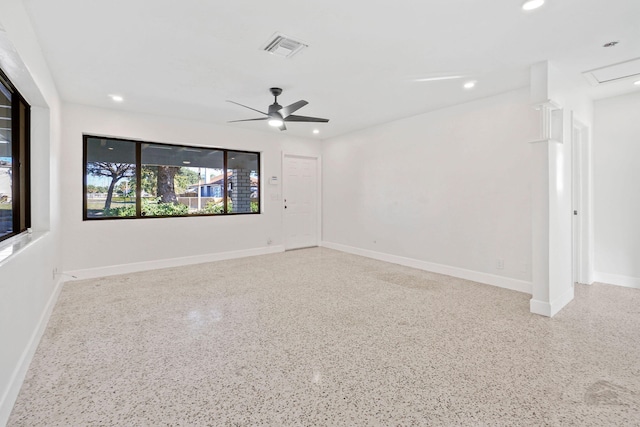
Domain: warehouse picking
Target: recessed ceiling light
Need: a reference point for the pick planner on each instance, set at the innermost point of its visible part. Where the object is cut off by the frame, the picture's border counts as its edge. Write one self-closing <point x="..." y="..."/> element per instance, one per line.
<point x="532" y="4"/>
<point x="637" y="83"/>
<point x="316" y="131"/>
<point x="116" y="98"/>
<point x="186" y="162"/>
<point x="275" y="123"/>
<point x="110" y="148"/>
<point x="470" y="85"/>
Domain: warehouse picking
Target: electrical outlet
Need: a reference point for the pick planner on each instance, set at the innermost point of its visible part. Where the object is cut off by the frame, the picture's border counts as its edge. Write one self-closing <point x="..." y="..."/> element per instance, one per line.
<point x="269" y="241"/>
<point x="54" y="272"/>
<point x="500" y="264"/>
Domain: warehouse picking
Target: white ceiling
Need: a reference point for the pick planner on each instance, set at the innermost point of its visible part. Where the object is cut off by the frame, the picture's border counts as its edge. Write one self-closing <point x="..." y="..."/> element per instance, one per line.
<point x="185" y="58"/>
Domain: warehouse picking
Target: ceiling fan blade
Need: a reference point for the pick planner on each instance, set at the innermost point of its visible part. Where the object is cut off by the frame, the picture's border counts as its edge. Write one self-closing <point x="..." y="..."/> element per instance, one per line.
<point x="237" y="103"/>
<point x="290" y="109"/>
<point x="294" y="118"/>
<point x="248" y="120"/>
<point x="283" y="127"/>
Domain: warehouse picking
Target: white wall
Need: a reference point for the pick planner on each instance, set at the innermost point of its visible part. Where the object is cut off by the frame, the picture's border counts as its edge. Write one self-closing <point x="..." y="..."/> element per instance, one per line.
<point x="96" y="246"/>
<point x="27" y="285"/>
<point x="450" y="189"/>
<point x="617" y="190"/>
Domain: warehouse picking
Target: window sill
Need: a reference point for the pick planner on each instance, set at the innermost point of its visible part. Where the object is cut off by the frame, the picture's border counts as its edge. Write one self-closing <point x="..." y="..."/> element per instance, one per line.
<point x="16" y="244"/>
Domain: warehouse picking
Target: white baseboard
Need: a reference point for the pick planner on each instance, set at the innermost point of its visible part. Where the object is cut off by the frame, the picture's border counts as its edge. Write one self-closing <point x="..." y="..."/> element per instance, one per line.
<point x="616" y="279"/>
<point x="540" y="307"/>
<point x="550" y="309"/>
<point x="476" y="276"/>
<point x="112" y="270"/>
<point x="17" y="377"/>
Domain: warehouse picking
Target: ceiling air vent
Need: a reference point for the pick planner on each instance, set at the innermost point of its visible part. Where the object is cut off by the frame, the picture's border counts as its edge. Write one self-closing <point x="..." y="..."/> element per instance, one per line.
<point x="611" y="73"/>
<point x="282" y="45"/>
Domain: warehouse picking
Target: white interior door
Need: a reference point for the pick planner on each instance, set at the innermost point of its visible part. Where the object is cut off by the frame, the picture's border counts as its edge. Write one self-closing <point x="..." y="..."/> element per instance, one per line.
<point x="300" y="202"/>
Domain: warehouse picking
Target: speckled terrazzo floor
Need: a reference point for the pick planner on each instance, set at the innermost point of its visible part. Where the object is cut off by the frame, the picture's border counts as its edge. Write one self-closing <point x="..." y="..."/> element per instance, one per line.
<point x="319" y="337"/>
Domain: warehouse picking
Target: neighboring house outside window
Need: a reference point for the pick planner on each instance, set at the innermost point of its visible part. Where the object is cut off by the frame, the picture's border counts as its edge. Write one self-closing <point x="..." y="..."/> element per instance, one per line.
<point x="213" y="188"/>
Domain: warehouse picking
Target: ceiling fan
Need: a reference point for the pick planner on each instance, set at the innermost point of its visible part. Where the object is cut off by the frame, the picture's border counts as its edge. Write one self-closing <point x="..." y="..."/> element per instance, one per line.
<point x="278" y="115"/>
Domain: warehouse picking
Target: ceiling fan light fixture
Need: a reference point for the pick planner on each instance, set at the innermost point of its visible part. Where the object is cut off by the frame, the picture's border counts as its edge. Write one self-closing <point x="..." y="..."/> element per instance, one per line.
<point x="532" y="4"/>
<point x="276" y="123"/>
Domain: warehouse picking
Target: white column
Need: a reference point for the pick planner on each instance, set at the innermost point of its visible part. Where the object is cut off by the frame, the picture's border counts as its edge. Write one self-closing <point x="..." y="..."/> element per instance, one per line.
<point x="552" y="285"/>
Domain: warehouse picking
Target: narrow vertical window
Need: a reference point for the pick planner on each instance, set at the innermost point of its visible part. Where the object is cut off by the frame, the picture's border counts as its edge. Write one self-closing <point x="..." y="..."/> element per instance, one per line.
<point x="15" y="199"/>
<point x="6" y="163"/>
<point x="110" y="178"/>
<point x="243" y="184"/>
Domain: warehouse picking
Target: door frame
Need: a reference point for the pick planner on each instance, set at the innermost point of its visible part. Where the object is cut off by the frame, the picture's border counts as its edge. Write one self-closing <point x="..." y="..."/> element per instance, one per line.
<point x="318" y="160"/>
<point x="582" y="201"/>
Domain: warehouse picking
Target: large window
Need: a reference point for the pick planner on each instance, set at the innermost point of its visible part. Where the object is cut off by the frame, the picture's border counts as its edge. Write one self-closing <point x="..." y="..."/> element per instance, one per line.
<point x="15" y="198"/>
<point x="135" y="179"/>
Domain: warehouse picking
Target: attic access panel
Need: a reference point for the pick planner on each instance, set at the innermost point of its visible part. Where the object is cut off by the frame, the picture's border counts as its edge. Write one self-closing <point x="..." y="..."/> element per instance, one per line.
<point x="610" y="73"/>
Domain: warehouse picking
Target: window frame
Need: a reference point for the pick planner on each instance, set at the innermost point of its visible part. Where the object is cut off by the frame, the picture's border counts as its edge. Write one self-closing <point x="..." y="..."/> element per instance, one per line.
<point x="138" y="177"/>
<point x="20" y="164"/>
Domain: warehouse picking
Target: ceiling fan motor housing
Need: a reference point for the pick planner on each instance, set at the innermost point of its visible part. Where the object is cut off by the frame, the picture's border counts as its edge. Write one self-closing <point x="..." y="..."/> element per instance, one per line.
<point x="274" y="108"/>
<point x="275" y="91"/>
